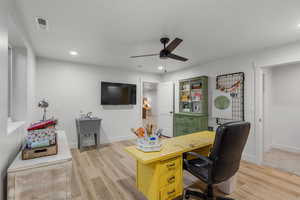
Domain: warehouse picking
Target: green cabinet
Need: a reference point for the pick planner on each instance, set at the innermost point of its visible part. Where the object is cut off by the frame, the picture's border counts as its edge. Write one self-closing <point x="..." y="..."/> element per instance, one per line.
<point x="186" y="123"/>
<point x="193" y="106"/>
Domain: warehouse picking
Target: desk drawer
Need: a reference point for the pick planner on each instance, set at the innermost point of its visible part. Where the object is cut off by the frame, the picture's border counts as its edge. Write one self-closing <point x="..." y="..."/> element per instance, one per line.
<point x="169" y="192"/>
<point x="170" y="171"/>
<point x="171" y="178"/>
<point x="171" y="165"/>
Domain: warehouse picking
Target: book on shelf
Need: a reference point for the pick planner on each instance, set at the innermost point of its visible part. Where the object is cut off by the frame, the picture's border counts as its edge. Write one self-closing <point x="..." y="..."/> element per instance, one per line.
<point x="197" y="96"/>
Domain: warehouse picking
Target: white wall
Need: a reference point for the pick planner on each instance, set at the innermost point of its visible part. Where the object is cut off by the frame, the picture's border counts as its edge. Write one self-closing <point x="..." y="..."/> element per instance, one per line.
<point x="19" y="96"/>
<point x="283" y="107"/>
<point x="267" y="108"/>
<point x="240" y="63"/>
<point x="3" y="91"/>
<point x="10" y="144"/>
<point x="73" y="87"/>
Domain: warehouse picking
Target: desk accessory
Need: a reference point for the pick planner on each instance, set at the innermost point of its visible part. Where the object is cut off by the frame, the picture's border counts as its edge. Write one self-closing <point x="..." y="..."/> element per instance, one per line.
<point x="148" y="139"/>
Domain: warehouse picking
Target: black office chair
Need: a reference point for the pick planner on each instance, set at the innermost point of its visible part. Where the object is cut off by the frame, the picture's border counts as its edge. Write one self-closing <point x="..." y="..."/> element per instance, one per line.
<point x="223" y="161"/>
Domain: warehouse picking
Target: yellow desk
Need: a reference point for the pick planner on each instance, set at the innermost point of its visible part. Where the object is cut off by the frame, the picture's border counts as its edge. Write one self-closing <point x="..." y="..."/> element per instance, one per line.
<point x="160" y="174"/>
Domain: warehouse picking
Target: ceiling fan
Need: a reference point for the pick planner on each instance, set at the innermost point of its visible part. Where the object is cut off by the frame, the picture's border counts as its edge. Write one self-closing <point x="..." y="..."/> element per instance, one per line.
<point x="166" y="52"/>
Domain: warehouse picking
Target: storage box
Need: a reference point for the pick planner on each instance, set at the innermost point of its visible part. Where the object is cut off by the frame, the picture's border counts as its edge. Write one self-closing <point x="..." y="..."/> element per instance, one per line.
<point x="39" y="152"/>
<point x="40" y="135"/>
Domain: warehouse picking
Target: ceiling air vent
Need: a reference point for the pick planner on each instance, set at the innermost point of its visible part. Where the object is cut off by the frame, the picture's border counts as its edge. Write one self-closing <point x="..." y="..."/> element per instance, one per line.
<point x="42" y="23"/>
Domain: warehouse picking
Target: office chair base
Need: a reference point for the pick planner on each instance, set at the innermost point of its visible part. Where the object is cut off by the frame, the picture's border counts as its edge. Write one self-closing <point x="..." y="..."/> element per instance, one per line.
<point x="188" y="193"/>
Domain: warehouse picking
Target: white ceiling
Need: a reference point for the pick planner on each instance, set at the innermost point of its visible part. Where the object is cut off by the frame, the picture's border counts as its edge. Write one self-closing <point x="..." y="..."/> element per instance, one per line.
<point x="107" y="32"/>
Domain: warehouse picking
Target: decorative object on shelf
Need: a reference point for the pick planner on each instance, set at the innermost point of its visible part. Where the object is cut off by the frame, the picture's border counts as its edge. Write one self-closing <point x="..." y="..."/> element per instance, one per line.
<point x="230" y="88"/>
<point x="44" y="105"/>
<point x="149" y="138"/>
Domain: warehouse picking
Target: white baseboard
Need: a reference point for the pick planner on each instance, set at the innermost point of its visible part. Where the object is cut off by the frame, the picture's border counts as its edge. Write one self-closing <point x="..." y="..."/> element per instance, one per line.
<point x="249" y="158"/>
<point x="286" y="148"/>
<point x="117" y="139"/>
<point x="73" y="145"/>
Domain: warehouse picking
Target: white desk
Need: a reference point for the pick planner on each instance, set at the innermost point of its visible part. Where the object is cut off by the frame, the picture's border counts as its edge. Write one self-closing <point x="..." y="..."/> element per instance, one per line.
<point x="42" y="178"/>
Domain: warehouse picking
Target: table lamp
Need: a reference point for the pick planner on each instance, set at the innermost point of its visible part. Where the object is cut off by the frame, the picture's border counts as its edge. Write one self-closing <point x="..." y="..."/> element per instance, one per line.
<point x="44" y="105"/>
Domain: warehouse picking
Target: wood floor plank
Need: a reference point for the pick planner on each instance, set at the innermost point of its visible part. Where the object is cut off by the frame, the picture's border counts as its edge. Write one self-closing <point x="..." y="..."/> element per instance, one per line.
<point x="102" y="191"/>
<point x="128" y="186"/>
<point x="109" y="174"/>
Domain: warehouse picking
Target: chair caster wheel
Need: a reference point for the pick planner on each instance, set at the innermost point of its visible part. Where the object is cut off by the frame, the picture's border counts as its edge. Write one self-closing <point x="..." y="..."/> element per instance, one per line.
<point x="186" y="196"/>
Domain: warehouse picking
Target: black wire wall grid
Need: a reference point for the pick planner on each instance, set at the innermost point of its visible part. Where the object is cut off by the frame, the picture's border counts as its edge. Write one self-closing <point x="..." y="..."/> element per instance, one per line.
<point x="234" y="84"/>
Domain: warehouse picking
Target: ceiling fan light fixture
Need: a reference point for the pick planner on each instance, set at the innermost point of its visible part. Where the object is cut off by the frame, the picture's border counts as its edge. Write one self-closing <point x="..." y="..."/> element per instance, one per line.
<point x="160" y="67"/>
<point x="73" y="53"/>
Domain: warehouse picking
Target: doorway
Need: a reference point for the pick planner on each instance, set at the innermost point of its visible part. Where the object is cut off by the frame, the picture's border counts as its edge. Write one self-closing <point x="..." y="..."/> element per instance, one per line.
<point x="280" y="117"/>
<point x="158" y="106"/>
<point x="149" y="103"/>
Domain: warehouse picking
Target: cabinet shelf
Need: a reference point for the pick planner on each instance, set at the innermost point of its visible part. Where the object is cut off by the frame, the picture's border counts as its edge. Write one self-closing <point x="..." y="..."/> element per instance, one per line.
<point x="193" y="99"/>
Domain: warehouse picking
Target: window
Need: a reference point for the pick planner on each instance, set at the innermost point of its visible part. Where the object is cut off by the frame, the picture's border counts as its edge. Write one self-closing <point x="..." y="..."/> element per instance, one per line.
<point x="10" y="83"/>
<point x="15" y="120"/>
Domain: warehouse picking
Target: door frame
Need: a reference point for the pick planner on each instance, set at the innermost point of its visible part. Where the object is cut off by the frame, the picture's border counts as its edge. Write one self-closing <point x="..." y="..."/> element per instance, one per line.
<point x="259" y="121"/>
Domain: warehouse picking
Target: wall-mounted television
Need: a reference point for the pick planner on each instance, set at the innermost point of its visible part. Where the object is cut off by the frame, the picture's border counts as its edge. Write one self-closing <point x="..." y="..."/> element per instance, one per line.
<point x="118" y="93"/>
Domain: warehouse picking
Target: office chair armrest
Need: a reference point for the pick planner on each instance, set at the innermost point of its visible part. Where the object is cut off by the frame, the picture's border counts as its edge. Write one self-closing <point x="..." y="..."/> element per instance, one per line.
<point x="206" y="159"/>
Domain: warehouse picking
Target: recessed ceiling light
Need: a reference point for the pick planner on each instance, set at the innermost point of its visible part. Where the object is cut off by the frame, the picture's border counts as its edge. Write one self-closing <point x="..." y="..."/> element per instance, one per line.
<point x="298" y="25"/>
<point x="160" y="67"/>
<point x="73" y="53"/>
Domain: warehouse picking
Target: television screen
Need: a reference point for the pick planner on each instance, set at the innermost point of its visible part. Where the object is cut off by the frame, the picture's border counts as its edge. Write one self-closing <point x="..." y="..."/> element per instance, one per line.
<point x="118" y="94"/>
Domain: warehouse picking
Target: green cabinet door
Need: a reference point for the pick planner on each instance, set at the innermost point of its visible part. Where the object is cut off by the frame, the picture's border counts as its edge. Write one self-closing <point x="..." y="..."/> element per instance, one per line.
<point x="185" y="123"/>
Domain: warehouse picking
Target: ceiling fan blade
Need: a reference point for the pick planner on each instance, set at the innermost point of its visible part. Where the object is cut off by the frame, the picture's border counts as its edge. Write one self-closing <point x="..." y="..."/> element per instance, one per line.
<point x="173" y="56"/>
<point x="173" y="44"/>
<point x="147" y="55"/>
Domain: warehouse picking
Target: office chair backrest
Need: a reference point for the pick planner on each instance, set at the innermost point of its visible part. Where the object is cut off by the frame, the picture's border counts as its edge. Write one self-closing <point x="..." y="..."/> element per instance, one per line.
<point x="227" y="149"/>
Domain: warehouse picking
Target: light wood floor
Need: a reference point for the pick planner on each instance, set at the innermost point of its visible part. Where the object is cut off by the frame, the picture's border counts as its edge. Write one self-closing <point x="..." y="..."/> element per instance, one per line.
<point x="284" y="160"/>
<point x="109" y="174"/>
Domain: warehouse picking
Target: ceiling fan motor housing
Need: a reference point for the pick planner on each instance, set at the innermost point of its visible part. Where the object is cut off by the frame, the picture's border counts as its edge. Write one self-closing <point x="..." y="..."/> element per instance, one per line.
<point x="164" y="40"/>
<point x="163" y="54"/>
